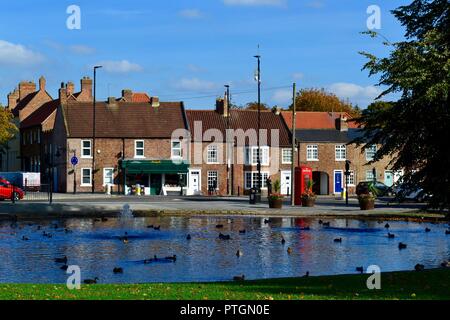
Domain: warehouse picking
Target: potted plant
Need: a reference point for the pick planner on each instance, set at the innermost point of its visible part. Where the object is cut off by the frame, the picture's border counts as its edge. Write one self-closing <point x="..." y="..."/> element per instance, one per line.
<point x="367" y="198"/>
<point x="309" y="197"/>
<point x="276" y="199"/>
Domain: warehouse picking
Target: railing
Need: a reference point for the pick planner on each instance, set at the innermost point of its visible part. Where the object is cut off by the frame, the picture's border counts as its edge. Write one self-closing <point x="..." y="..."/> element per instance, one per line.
<point x="34" y="192"/>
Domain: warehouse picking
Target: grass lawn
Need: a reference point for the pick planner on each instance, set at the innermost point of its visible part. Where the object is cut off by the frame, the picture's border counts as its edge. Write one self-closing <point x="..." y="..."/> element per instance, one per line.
<point x="429" y="284"/>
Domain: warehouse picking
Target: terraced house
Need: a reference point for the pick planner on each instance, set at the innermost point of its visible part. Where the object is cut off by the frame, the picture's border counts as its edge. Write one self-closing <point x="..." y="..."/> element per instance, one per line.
<point x="221" y="165"/>
<point x="323" y="142"/>
<point x="133" y="151"/>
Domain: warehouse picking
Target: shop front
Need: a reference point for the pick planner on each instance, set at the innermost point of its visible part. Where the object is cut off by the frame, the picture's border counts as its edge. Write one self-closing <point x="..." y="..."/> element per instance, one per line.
<point x="154" y="177"/>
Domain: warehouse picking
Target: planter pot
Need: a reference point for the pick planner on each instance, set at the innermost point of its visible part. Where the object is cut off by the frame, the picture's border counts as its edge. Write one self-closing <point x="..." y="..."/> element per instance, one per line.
<point x="366" y="203"/>
<point x="275" y="203"/>
<point x="308" y="202"/>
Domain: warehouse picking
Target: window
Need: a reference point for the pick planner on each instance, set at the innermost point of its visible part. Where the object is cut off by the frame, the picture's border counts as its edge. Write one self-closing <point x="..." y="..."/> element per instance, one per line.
<point x="86" y="177"/>
<point x="370" y="152"/>
<point x="86" y="149"/>
<point x="213" y="183"/>
<point x="369" y="175"/>
<point x="351" y="178"/>
<point x="176" y="149"/>
<point x="212" y="155"/>
<point x="251" y="156"/>
<point x="340" y="152"/>
<point x="139" y="148"/>
<point x="286" y="156"/>
<point x="312" y="152"/>
<point x="251" y="179"/>
<point x="108" y="176"/>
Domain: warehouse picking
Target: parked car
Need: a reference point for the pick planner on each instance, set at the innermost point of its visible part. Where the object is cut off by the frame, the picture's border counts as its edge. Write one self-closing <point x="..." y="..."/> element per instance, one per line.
<point x="417" y="194"/>
<point x="8" y="191"/>
<point x="383" y="190"/>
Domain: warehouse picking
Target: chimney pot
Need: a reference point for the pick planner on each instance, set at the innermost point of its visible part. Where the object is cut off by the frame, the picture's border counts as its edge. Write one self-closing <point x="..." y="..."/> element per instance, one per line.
<point x="127" y="95"/>
<point x="155" y="102"/>
<point x="86" y="85"/>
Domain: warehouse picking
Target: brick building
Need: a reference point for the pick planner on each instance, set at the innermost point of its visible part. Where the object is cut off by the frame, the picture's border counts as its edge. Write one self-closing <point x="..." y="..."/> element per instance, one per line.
<point x="229" y="166"/>
<point x="323" y="142"/>
<point x="133" y="145"/>
<point x="30" y="108"/>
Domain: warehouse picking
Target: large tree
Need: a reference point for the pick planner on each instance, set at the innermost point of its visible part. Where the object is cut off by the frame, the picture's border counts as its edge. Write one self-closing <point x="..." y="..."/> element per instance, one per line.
<point x="7" y="127"/>
<point x="321" y="100"/>
<point x="416" y="128"/>
<point x="254" y="106"/>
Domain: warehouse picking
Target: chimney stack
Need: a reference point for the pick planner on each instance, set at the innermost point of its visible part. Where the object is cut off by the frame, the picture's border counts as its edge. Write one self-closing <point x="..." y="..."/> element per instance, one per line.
<point x="86" y="86"/>
<point x="222" y="105"/>
<point x="63" y="94"/>
<point x="341" y="123"/>
<point x="70" y="88"/>
<point x="127" y="95"/>
<point x="25" y="88"/>
<point x="154" y="102"/>
<point x="42" y="83"/>
<point x="13" y="98"/>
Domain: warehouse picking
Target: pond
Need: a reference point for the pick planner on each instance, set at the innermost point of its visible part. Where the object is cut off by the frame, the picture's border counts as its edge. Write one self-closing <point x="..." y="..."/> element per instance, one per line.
<point x="28" y="248"/>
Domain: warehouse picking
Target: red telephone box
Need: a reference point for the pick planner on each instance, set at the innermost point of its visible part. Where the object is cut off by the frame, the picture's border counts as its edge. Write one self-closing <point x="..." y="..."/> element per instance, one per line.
<point x="303" y="174"/>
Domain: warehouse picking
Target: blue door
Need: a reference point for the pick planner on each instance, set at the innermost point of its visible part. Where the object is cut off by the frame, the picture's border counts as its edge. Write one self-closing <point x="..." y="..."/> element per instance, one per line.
<point x="338" y="182"/>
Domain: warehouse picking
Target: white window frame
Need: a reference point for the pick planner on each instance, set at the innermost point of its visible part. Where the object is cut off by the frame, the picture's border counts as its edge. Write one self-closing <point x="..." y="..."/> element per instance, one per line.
<point x="82" y="176"/>
<point x="254" y="179"/>
<point x="86" y="148"/>
<point x="351" y="177"/>
<point x="369" y="173"/>
<point x="209" y="150"/>
<point x="310" y="149"/>
<point x="369" y="149"/>
<point x="104" y="175"/>
<point x="217" y="178"/>
<point x="251" y="156"/>
<point x="289" y="155"/>
<point x="140" y="148"/>
<point x="172" y="149"/>
<point x="338" y="150"/>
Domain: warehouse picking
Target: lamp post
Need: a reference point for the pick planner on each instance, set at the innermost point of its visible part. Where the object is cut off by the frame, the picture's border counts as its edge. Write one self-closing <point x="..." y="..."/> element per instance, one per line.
<point x="258" y="57"/>
<point x="347" y="178"/>
<point x="93" y="128"/>
<point x="229" y="149"/>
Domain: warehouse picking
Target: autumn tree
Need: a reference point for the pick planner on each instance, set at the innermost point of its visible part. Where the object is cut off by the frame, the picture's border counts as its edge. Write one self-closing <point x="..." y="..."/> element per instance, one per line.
<point x="415" y="129"/>
<point x="321" y="100"/>
<point x="7" y="127"/>
<point x="254" y="106"/>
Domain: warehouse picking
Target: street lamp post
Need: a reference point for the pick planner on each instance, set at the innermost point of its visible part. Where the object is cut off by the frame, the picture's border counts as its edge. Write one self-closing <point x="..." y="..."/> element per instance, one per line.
<point x="229" y="149"/>
<point x="258" y="57"/>
<point x="93" y="129"/>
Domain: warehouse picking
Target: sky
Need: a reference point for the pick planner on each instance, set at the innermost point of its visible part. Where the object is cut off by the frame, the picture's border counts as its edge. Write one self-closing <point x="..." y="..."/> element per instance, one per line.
<point x="188" y="50"/>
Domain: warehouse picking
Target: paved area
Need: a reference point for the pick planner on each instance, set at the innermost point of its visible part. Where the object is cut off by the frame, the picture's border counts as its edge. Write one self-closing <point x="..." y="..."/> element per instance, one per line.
<point x="88" y="204"/>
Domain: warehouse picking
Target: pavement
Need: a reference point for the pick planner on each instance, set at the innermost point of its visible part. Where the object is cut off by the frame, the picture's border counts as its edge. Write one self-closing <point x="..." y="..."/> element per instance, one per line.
<point x="82" y="205"/>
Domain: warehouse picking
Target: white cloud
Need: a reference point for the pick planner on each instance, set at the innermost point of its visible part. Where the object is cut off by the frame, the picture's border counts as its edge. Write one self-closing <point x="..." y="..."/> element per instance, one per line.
<point x="194" y="68"/>
<point x="298" y="76"/>
<point x="81" y="49"/>
<point x="190" y="13"/>
<point x="121" y="66"/>
<point x="355" y="93"/>
<point x="315" y="4"/>
<point x="195" y="84"/>
<point x="255" y="2"/>
<point x="16" y="54"/>
<point x="282" y="96"/>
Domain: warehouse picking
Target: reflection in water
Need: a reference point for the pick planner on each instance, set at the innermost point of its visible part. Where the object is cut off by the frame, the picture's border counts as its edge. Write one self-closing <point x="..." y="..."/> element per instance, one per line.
<point x="97" y="246"/>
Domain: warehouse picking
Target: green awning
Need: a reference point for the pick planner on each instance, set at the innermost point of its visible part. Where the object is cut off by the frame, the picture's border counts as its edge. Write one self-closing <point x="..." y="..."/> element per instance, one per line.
<point x="154" y="166"/>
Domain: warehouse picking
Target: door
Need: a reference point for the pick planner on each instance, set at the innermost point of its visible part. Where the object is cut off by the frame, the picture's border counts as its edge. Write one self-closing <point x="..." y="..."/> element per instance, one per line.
<point x="338" y="187"/>
<point x="285" y="182"/>
<point x="389" y="178"/>
<point x="194" y="181"/>
<point x="155" y="184"/>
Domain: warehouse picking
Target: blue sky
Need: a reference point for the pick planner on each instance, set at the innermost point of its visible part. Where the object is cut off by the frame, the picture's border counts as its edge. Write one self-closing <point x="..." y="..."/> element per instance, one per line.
<point x="187" y="50"/>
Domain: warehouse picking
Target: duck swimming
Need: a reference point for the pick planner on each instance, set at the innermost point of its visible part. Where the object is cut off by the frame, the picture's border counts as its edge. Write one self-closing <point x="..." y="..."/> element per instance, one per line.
<point x="117" y="270"/>
<point x="239" y="253"/>
<point x="338" y="240"/>
<point x="427" y="229"/>
<point x="242" y="231"/>
<point x="224" y="237"/>
<point x="239" y="278"/>
<point x="91" y="281"/>
<point x="360" y="269"/>
<point x="289" y="250"/>
<point x="391" y="235"/>
<point x="283" y="241"/>
<point x="402" y="245"/>
<point x="157" y="228"/>
<point x="61" y="260"/>
<point x="387" y="226"/>
<point x="188" y="237"/>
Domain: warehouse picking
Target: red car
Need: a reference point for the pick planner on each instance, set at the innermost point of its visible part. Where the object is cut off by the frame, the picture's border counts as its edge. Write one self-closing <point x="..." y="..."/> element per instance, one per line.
<point x="8" y="191"/>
